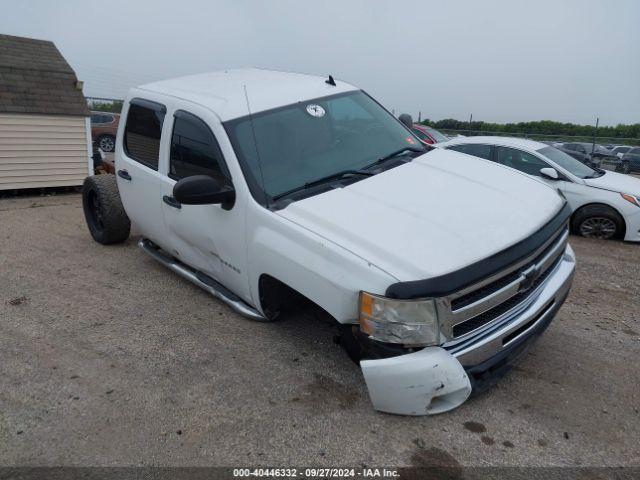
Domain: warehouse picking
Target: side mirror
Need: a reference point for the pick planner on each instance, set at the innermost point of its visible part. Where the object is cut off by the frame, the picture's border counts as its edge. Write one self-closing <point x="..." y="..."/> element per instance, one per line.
<point x="203" y="190"/>
<point x="406" y="119"/>
<point x="549" y="173"/>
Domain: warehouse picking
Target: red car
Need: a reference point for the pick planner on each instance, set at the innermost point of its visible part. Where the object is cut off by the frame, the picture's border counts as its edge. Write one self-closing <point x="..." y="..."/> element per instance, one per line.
<point x="428" y="135"/>
<point x="104" y="126"/>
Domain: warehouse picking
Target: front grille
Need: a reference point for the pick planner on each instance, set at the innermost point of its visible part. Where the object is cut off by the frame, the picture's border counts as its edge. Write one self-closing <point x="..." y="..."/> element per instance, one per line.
<point x="472" y="297"/>
<point x="475" y="295"/>
<point x="476" y="308"/>
<point x="499" y="310"/>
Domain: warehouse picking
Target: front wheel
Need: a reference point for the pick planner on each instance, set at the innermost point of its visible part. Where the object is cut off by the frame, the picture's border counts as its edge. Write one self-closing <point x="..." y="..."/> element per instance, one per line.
<point x="598" y="221"/>
<point x="107" y="221"/>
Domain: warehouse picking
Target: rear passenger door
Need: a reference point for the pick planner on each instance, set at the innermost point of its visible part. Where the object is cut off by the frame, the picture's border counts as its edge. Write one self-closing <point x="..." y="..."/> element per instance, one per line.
<point x="136" y="164"/>
<point x="209" y="238"/>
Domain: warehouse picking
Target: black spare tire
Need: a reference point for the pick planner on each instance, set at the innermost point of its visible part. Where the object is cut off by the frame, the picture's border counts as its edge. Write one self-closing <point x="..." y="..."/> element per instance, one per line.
<point x="107" y="221"/>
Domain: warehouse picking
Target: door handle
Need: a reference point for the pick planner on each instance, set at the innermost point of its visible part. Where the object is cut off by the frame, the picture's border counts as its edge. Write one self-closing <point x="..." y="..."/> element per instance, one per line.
<point x="124" y="174"/>
<point x="172" y="202"/>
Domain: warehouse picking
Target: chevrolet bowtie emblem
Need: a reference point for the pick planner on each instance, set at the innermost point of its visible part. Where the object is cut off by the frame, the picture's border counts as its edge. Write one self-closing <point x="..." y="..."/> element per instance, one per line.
<point x="530" y="275"/>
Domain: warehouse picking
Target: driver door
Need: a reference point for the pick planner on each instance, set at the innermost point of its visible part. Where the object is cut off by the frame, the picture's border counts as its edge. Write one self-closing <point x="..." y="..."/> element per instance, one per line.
<point x="209" y="238"/>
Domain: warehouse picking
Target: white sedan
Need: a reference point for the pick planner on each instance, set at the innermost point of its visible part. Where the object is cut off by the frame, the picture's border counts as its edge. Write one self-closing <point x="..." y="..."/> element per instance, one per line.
<point x="605" y="204"/>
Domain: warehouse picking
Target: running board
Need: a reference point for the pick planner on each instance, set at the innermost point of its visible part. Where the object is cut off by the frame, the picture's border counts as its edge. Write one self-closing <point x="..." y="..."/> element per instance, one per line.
<point x="201" y="280"/>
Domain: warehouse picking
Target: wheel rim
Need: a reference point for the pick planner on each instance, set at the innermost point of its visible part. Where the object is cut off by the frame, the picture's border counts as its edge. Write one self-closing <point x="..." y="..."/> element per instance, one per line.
<point x="95" y="212"/>
<point x="598" y="227"/>
<point x="106" y="144"/>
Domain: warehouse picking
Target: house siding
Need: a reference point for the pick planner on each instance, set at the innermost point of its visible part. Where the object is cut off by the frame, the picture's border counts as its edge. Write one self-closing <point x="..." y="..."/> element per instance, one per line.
<point x="42" y="151"/>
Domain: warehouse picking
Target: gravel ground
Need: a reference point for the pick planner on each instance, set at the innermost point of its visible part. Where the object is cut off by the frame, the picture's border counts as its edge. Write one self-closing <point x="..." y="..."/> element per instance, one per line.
<point x="110" y="359"/>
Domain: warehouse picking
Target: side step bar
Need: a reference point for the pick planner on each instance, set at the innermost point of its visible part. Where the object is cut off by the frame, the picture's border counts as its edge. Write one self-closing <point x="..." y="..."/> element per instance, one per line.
<point x="200" y="279"/>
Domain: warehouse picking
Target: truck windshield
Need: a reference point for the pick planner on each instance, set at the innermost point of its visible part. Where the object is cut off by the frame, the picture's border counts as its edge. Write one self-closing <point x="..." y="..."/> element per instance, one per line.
<point x="289" y="147"/>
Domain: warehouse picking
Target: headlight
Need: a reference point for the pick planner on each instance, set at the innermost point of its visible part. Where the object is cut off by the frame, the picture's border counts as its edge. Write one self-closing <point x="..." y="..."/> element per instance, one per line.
<point x="409" y="322"/>
<point x="631" y="199"/>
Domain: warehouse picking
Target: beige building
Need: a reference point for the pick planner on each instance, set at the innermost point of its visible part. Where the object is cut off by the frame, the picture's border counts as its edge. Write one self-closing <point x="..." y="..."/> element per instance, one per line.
<point x="45" y="134"/>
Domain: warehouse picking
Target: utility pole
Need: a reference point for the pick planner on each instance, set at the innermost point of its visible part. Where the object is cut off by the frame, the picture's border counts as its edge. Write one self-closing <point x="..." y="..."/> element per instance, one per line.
<point x="470" y="120"/>
<point x="595" y="132"/>
<point x="419" y="116"/>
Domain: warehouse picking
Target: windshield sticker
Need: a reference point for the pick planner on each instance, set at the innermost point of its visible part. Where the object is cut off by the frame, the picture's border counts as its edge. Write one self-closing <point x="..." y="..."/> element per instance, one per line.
<point x="315" y="110"/>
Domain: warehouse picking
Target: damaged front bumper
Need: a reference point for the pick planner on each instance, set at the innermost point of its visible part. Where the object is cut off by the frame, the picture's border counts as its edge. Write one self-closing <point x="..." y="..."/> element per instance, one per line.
<point x="437" y="379"/>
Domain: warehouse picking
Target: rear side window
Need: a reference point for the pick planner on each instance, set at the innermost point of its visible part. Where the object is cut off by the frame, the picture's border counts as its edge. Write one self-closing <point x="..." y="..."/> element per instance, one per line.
<point x="194" y="150"/>
<point x="475" y="149"/>
<point x="142" y="132"/>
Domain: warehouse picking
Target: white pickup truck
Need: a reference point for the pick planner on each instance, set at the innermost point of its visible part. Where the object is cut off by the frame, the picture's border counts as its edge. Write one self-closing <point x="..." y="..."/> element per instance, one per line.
<point x="268" y="188"/>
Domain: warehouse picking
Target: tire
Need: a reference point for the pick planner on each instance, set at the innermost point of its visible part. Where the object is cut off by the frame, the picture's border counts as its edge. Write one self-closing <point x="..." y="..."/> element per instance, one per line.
<point x="598" y="221"/>
<point x="625" y="168"/>
<point x="107" y="221"/>
<point x="107" y="143"/>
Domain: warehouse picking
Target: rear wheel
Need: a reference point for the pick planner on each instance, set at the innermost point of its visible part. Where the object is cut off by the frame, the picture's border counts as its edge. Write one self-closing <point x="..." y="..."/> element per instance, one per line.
<point x="107" y="221"/>
<point x="107" y="143"/>
<point x="598" y="221"/>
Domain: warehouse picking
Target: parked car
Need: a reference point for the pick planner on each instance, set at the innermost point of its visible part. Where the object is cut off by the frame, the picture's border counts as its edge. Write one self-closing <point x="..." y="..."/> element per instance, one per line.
<point x="271" y="189"/>
<point x="579" y="155"/>
<point x="104" y="126"/>
<point x="631" y="160"/>
<point x="620" y="150"/>
<point x="428" y="135"/>
<point x="604" y="204"/>
<point x="596" y="152"/>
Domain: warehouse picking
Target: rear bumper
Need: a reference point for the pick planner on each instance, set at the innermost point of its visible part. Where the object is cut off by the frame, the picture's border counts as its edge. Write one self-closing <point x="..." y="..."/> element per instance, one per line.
<point x="437" y="379"/>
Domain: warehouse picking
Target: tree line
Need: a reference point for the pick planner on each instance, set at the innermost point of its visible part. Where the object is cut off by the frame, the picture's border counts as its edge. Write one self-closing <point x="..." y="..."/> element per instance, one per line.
<point x="541" y="128"/>
<point x="112" y="107"/>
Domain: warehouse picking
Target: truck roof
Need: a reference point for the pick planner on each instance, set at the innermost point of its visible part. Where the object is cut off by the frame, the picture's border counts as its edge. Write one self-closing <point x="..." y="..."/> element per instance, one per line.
<point x="223" y="92"/>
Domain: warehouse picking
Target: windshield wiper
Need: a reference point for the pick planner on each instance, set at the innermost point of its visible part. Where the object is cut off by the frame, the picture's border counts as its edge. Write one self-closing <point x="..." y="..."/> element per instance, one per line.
<point x="397" y="153"/>
<point x="328" y="178"/>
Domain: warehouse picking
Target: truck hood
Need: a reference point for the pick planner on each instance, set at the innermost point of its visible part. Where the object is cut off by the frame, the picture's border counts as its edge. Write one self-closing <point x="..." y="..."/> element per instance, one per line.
<point x="616" y="182"/>
<point x="439" y="213"/>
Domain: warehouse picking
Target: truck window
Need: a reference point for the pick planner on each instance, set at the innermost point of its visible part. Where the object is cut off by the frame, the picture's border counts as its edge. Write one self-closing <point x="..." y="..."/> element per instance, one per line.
<point x="194" y="149"/>
<point x="142" y="132"/>
<point x="523" y="161"/>
<point x="475" y="149"/>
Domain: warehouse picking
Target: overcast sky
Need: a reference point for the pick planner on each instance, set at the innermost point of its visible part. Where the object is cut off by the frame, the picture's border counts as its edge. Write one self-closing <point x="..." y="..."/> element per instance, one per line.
<point x="503" y="61"/>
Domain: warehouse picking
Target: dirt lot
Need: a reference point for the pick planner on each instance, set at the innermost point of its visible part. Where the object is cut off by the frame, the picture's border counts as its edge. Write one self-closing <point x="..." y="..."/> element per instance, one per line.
<point x="110" y="359"/>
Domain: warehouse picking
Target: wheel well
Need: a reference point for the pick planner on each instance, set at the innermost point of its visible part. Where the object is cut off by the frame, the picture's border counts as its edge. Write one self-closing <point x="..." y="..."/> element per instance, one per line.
<point x="277" y="297"/>
<point x="603" y="205"/>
